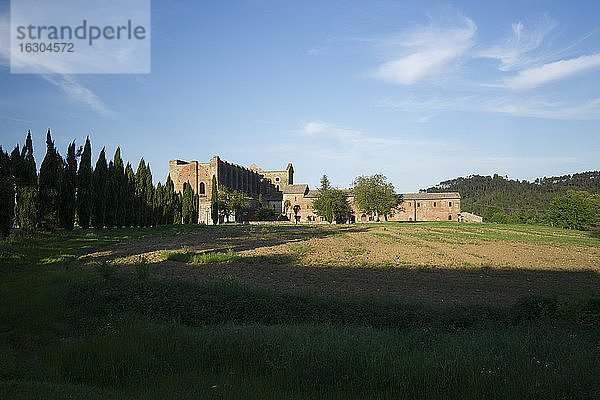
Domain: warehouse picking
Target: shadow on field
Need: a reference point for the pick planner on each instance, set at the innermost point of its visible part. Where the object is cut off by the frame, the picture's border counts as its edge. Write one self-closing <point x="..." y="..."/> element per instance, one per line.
<point x="473" y="285"/>
<point x="219" y="238"/>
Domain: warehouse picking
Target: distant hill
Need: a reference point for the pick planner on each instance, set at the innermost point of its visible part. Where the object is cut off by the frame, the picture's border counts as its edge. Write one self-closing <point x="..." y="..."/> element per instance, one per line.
<point x="479" y="192"/>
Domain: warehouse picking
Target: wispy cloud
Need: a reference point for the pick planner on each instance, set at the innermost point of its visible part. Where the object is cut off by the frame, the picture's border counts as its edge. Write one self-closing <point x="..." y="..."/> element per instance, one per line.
<point x="428" y="51"/>
<point x="78" y="92"/>
<point x="534" y="107"/>
<point x="514" y="50"/>
<point x="534" y="77"/>
<point x="16" y="119"/>
<point x="68" y="83"/>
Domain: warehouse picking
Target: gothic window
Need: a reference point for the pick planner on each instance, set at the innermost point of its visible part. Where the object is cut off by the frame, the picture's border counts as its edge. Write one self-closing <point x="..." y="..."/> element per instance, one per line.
<point x="449" y="217"/>
<point x="449" y="204"/>
<point x="435" y="204"/>
<point x="202" y="188"/>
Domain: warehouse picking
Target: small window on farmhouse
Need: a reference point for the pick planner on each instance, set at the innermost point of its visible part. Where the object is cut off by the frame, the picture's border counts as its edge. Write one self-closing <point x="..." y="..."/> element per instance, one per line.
<point x="449" y="217"/>
<point x="449" y="204"/>
<point x="435" y="204"/>
<point x="202" y="188"/>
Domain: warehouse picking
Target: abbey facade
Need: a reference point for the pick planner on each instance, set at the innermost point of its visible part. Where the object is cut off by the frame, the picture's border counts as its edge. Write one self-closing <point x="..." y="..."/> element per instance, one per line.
<point x="276" y="190"/>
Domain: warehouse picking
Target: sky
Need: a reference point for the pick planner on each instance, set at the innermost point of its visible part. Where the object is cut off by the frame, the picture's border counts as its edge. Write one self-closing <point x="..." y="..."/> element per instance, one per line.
<point x="421" y="91"/>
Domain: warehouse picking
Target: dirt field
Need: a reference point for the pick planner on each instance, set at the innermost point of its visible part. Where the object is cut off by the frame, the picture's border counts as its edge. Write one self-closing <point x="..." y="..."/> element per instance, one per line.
<point x="436" y="261"/>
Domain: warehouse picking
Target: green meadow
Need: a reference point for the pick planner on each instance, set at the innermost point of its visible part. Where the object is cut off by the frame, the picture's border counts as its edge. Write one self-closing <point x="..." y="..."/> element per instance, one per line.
<point x="100" y="332"/>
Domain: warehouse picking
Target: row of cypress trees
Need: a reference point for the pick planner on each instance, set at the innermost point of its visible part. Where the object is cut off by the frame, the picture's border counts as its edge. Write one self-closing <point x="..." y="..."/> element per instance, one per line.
<point x="66" y="192"/>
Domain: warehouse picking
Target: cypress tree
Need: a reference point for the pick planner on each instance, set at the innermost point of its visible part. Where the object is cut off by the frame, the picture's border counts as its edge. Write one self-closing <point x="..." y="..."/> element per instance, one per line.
<point x="110" y="211"/>
<point x="214" y="201"/>
<point x="29" y="175"/>
<point x="149" y="196"/>
<point x="159" y="205"/>
<point x="26" y="180"/>
<point x="119" y="181"/>
<point x="170" y="201"/>
<point x="67" y="190"/>
<point x="189" y="209"/>
<point x="141" y="192"/>
<point x="131" y="218"/>
<point x="49" y="185"/>
<point x="7" y="194"/>
<point x="177" y="215"/>
<point x="27" y="209"/>
<point x="99" y="191"/>
<point x="84" y="186"/>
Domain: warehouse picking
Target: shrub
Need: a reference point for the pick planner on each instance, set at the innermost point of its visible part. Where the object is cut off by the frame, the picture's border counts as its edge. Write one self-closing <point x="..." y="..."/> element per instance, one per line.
<point x="264" y="214"/>
<point x="142" y="268"/>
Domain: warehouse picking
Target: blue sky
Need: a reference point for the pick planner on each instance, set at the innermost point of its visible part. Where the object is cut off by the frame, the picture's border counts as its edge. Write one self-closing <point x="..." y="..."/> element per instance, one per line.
<point x="421" y="91"/>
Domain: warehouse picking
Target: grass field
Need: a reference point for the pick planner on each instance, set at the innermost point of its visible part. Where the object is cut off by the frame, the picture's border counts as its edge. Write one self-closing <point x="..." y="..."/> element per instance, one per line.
<point x="440" y="310"/>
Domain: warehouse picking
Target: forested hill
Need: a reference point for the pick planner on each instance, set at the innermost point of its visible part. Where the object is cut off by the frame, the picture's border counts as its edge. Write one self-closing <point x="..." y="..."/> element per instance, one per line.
<point x="479" y="192"/>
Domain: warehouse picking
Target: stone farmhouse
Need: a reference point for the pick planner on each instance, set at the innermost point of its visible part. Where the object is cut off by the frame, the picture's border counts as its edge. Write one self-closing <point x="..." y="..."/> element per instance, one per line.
<point x="278" y="191"/>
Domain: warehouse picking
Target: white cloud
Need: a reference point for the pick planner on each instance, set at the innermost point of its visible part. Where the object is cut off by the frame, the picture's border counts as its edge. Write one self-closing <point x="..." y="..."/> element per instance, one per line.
<point x="429" y="51"/>
<point x="68" y="83"/>
<point x="537" y="108"/>
<point x="534" y="77"/>
<point x="512" y="53"/>
<point x="78" y="92"/>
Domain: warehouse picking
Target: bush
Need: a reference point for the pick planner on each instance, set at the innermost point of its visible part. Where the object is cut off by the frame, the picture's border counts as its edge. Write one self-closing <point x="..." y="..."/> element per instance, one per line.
<point x="282" y="217"/>
<point x="142" y="268"/>
<point x="264" y="214"/>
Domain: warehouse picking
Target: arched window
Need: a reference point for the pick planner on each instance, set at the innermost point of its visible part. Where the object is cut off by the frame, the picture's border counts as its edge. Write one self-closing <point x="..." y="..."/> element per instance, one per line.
<point x="449" y="204"/>
<point x="435" y="204"/>
<point x="202" y="188"/>
<point x="449" y="217"/>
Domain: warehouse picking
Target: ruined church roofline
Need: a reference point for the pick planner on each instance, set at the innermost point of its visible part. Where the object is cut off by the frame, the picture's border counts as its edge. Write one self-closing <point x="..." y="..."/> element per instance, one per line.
<point x="256" y="168"/>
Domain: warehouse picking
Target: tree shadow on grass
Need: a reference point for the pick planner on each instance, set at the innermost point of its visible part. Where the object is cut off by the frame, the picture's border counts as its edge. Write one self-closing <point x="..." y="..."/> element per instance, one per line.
<point x="284" y="273"/>
<point x="221" y="238"/>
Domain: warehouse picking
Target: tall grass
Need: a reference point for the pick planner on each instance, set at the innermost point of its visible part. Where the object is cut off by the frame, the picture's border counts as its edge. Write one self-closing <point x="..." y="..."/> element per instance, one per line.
<point x="150" y="360"/>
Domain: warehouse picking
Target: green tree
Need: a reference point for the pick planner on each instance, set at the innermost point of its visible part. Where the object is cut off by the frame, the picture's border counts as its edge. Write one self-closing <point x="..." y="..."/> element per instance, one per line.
<point x="264" y="214"/>
<point x="130" y="199"/>
<point x="84" y="186"/>
<point x="238" y="203"/>
<point x="117" y="189"/>
<point x="145" y="193"/>
<point x="110" y="207"/>
<point x="231" y="202"/>
<point x="25" y="178"/>
<point x="99" y="179"/>
<point x="170" y="201"/>
<point x="189" y="208"/>
<point x="374" y="195"/>
<point x="159" y="204"/>
<point x="496" y="214"/>
<point x="27" y="209"/>
<point x="66" y="211"/>
<point x="331" y="203"/>
<point x="49" y="185"/>
<point x="7" y="194"/>
<point x="574" y="210"/>
<point x="214" y="201"/>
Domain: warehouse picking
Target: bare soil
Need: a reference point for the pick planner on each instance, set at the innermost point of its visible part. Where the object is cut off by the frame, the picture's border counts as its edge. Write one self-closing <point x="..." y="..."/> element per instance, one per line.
<point x="439" y="262"/>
